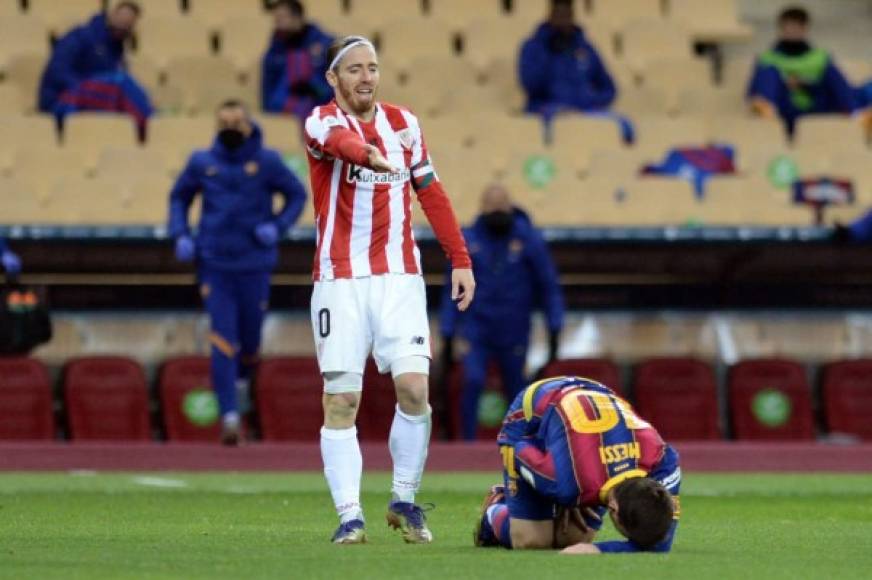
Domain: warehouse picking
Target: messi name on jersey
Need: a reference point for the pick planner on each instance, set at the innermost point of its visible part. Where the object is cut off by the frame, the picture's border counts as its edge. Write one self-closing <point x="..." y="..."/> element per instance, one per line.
<point x="358" y="174"/>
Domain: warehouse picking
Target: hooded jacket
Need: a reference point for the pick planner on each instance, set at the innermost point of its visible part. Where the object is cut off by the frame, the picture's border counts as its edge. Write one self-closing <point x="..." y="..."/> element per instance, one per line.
<point x="237" y="188"/>
<point x="86" y="51"/>
<point x="514" y="275"/>
<point x="570" y="75"/>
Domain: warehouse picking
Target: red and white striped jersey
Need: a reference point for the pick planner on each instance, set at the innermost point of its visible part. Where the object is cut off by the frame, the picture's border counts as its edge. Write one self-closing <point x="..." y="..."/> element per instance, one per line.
<point x="363" y="219"/>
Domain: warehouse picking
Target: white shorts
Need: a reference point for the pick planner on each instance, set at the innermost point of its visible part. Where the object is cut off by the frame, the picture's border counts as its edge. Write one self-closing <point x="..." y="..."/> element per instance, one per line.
<point x="385" y="315"/>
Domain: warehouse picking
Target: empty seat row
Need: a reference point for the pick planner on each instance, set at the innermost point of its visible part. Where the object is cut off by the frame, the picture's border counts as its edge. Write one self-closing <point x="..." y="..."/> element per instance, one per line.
<point x="768" y="399"/>
<point x="107" y="398"/>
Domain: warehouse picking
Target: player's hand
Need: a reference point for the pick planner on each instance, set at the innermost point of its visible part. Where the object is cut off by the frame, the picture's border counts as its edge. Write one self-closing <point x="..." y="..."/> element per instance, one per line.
<point x="462" y="287"/>
<point x="571" y="528"/>
<point x="11" y="263"/>
<point x="267" y="234"/>
<point x="185" y="249"/>
<point x="582" y="548"/>
<point x="377" y="161"/>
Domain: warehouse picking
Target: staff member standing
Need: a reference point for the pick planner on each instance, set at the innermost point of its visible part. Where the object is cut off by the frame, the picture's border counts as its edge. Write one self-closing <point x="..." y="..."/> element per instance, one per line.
<point x="515" y="276"/>
<point x="235" y="246"/>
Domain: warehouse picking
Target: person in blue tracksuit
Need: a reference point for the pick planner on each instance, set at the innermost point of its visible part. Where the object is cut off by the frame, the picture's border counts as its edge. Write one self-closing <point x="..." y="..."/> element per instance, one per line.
<point x="87" y="69"/>
<point x="561" y="70"/>
<point x="514" y="275"/>
<point x="10" y="260"/>
<point x="794" y="78"/>
<point x="235" y="247"/>
<point x="293" y="76"/>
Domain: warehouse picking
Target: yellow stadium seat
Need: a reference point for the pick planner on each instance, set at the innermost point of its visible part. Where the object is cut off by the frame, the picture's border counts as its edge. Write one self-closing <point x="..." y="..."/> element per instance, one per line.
<point x="24" y="71"/>
<point x="501" y="77"/>
<point x="155" y="8"/>
<point x="844" y="214"/>
<point x="858" y="166"/>
<point x="207" y="81"/>
<point x="735" y="201"/>
<point x="643" y="101"/>
<point x="85" y="201"/>
<point x="164" y="39"/>
<point x="61" y="17"/>
<point x="857" y="72"/>
<point x="446" y="136"/>
<point x="487" y="39"/>
<point x="128" y="164"/>
<point x="40" y="167"/>
<point x="582" y="134"/>
<point x="216" y="14"/>
<point x="10" y="9"/>
<point x="381" y="11"/>
<point x="21" y="204"/>
<point x="532" y="12"/>
<point x="22" y="34"/>
<point x="404" y="39"/>
<point x="656" y="135"/>
<point x="179" y="136"/>
<point x="326" y="11"/>
<point x="671" y="74"/>
<point x="456" y="12"/>
<point x="495" y="132"/>
<point x="12" y="100"/>
<point x="711" y="21"/>
<point x="91" y="132"/>
<point x="829" y="133"/>
<point x="245" y="39"/>
<point x="614" y="163"/>
<point x="145" y="200"/>
<point x="20" y="130"/>
<point x="745" y="132"/>
<point x="708" y="102"/>
<point x="282" y="132"/>
<point x="736" y="73"/>
<point x="645" y="41"/>
<point x="664" y="201"/>
<point x="619" y="12"/>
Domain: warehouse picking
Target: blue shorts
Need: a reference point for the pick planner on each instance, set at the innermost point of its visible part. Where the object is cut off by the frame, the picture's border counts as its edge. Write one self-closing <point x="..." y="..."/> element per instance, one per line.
<point x="525" y="502"/>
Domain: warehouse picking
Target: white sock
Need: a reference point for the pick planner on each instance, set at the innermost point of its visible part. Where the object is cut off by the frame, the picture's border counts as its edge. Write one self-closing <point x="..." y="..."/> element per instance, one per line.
<point x="343" y="467"/>
<point x="409" y="439"/>
<point x="230" y="420"/>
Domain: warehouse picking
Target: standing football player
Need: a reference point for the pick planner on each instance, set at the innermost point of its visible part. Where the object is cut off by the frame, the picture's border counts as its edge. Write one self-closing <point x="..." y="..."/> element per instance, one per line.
<point x="365" y="159"/>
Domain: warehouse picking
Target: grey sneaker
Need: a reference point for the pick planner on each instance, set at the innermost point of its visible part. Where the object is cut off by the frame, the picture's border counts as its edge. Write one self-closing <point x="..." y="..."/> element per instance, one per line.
<point x="410" y="520"/>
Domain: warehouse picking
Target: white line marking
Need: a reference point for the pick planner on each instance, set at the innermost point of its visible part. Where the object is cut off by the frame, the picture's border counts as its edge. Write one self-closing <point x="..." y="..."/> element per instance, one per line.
<point x="160" y="482"/>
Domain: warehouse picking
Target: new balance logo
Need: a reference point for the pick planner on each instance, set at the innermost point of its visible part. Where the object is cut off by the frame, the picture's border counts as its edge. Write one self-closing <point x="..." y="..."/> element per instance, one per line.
<point x="358" y="174"/>
<point x="419" y="340"/>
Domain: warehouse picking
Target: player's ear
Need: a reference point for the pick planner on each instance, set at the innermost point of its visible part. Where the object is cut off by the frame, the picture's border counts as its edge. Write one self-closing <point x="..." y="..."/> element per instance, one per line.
<point x="332" y="79"/>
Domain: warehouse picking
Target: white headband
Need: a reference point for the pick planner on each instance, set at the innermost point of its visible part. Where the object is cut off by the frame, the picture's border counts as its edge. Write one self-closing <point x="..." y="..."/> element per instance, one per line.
<point x="358" y="41"/>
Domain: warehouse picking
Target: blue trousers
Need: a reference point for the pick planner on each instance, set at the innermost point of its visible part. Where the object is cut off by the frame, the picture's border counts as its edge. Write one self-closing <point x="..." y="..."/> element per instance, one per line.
<point x="237" y="303"/>
<point x="510" y="360"/>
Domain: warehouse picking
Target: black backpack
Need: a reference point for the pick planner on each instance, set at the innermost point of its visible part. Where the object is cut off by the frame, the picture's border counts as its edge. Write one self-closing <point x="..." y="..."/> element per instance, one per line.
<point x="24" y="319"/>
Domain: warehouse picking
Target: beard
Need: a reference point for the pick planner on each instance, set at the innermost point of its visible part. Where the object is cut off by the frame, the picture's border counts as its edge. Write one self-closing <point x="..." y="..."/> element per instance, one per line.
<point x="355" y="102"/>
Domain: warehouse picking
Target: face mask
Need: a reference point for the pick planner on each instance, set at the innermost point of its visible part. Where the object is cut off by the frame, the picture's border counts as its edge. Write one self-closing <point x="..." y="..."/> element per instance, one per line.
<point x="792" y="47"/>
<point x="231" y="138"/>
<point x="119" y="33"/>
<point x="498" y="223"/>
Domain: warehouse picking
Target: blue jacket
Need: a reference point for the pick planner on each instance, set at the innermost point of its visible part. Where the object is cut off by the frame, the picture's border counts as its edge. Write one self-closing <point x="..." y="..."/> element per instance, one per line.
<point x="301" y="65"/>
<point x="85" y="51"/>
<point x="237" y="188"/>
<point x="572" y="77"/>
<point x="513" y="275"/>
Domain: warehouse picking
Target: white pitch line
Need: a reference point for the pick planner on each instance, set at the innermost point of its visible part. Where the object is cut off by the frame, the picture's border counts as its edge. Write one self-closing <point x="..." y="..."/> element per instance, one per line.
<point x="160" y="482"/>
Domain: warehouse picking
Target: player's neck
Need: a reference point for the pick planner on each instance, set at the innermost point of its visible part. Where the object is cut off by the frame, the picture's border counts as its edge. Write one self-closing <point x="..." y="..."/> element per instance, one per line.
<point x="365" y="116"/>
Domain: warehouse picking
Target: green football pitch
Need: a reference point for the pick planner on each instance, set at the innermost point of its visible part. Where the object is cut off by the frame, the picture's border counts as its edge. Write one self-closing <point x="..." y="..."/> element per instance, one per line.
<point x="236" y="525"/>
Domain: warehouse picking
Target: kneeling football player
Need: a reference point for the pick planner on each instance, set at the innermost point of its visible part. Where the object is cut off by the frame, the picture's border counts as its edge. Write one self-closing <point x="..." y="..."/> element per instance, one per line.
<point x="573" y="450"/>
